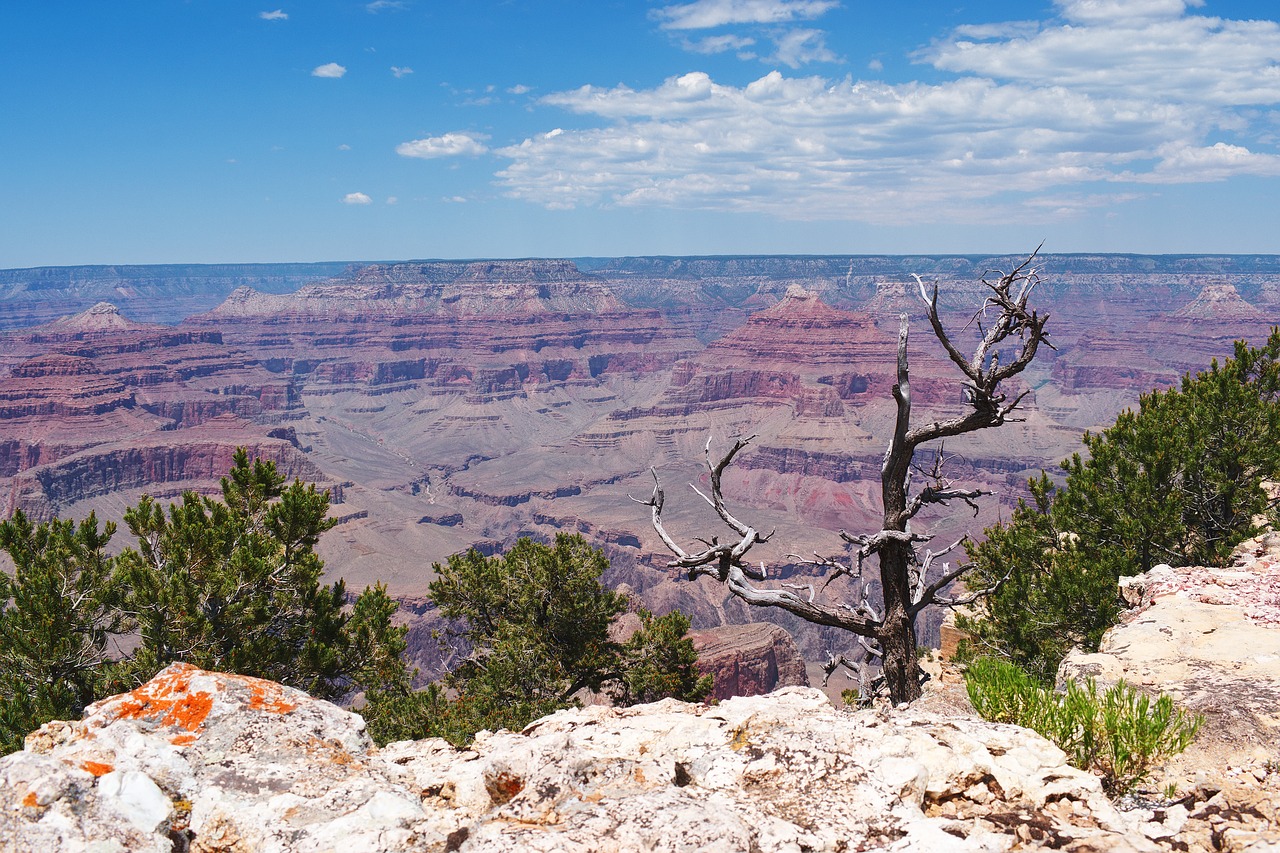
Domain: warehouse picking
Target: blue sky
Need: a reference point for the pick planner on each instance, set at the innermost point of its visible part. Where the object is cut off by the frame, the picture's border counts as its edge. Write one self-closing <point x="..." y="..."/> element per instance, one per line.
<point x="156" y="131"/>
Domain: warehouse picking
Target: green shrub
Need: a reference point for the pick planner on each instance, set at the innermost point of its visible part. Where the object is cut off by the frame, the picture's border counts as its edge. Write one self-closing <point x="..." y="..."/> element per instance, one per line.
<point x="999" y="691"/>
<point x="1178" y="480"/>
<point x="1120" y="735"/>
<point x="537" y="620"/>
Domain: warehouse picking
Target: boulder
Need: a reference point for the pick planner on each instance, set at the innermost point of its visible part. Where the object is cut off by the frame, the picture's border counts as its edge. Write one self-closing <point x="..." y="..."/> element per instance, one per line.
<point x="204" y="761"/>
<point x="1210" y="638"/>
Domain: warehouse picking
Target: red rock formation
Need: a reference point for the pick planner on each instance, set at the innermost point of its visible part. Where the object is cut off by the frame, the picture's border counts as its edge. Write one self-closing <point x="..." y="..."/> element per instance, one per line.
<point x="195" y="458"/>
<point x="1157" y="352"/>
<point x="61" y="386"/>
<point x="749" y="660"/>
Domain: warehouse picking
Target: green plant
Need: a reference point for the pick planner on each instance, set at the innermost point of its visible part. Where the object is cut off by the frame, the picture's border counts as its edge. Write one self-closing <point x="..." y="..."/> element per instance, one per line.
<point x="1177" y="480"/>
<point x="1120" y="735"/>
<point x="659" y="662"/>
<point x="1000" y="692"/>
<point x="57" y="614"/>
<point x="537" y="620"/>
<point x="230" y="584"/>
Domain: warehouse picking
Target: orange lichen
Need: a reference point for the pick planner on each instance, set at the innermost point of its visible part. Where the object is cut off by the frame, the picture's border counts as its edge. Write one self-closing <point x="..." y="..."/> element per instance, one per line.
<point x="182" y="740"/>
<point x="97" y="768"/>
<point x="268" y="696"/>
<point x="168" y="700"/>
<point x="30" y="800"/>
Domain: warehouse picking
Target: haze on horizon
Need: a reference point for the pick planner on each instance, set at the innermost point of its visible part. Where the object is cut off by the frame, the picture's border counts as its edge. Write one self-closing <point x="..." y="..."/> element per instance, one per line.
<point x="186" y="132"/>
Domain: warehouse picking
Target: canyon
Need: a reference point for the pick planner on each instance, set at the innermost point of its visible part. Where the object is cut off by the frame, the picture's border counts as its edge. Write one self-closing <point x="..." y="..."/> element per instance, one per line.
<point x="451" y="404"/>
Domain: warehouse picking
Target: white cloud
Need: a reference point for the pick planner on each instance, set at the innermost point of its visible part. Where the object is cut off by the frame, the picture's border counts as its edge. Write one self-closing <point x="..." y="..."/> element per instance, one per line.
<point x="519" y="89"/>
<point x="718" y="44"/>
<point x="330" y="69"/>
<point x="385" y="6"/>
<point x="1182" y="164"/>
<point x="1129" y="11"/>
<point x="448" y="145"/>
<point x="706" y="14"/>
<point x="800" y="47"/>
<point x="804" y="148"/>
<point x="1034" y="121"/>
<point x="277" y="15"/>
<point x="344" y="147"/>
<point x="1041" y="122"/>
<point x="454" y="199"/>
<point x="356" y="198"/>
<point x="392" y="200"/>
<point x="1117" y="46"/>
<point x="401" y="71"/>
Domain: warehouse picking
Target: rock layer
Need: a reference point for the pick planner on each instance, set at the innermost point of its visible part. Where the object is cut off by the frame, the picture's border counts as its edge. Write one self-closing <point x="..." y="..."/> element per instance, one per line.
<point x="749" y="660"/>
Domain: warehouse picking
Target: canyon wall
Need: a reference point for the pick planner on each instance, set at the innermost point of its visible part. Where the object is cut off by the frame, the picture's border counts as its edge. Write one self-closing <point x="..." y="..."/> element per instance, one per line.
<point x="451" y="404"/>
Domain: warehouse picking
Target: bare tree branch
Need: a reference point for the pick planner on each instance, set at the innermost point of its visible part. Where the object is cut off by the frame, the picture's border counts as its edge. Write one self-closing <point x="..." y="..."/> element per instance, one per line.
<point x="1009" y="336"/>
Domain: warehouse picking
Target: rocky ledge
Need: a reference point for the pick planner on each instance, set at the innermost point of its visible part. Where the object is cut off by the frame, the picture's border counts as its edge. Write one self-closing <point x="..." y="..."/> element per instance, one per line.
<point x="204" y="761"/>
<point x="1209" y="637"/>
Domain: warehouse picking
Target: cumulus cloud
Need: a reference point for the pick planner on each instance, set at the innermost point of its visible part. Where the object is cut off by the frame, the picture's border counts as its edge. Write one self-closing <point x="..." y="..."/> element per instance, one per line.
<point x="356" y="198"/>
<point x="1030" y="120"/>
<point x="1109" y="47"/>
<point x="519" y="89"/>
<point x="401" y="71"/>
<point x="277" y="15"/>
<point x="1182" y="164"/>
<point x="330" y="69"/>
<point x="448" y="145"/>
<point x="1128" y="11"/>
<point x="754" y="21"/>
<point x="706" y="14"/>
<point x="385" y="6"/>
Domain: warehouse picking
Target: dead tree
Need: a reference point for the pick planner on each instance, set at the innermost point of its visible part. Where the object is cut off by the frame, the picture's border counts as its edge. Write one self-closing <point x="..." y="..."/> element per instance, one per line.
<point x="905" y="586"/>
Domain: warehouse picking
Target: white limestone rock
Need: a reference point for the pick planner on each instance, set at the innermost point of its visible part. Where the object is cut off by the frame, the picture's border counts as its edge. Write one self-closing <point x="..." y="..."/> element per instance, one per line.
<point x="211" y="762"/>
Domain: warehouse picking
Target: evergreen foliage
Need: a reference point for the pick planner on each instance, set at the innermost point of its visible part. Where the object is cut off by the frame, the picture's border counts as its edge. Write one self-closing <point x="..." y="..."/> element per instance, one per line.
<point x="1057" y="591"/>
<point x="57" y="614"/>
<point x="230" y="585"/>
<point x="234" y="585"/>
<point x="1179" y="480"/>
<point x="537" y="620"/>
<point x="659" y="662"/>
<point x="1120" y="735"/>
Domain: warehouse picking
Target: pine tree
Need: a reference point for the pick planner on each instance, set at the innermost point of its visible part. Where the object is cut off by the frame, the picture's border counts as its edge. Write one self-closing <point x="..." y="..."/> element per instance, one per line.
<point x="660" y="662"/>
<point x="537" y="621"/>
<point x="58" y="614"/>
<point x="234" y="585"/>
<point x="1178" y="480"/>
<point x="230" y="585"/>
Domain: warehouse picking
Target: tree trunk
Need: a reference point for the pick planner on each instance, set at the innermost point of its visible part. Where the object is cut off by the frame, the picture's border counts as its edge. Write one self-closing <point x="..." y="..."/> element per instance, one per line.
<point x="897" y="634"/>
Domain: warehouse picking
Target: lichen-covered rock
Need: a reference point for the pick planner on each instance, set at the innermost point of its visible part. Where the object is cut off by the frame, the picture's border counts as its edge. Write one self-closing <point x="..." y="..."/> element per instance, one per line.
<point x="206" y="761"/>
<point x="209" y="762"/>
